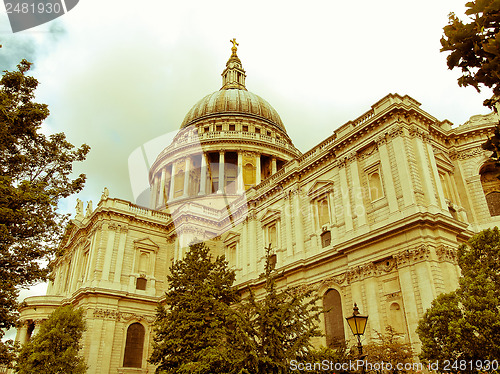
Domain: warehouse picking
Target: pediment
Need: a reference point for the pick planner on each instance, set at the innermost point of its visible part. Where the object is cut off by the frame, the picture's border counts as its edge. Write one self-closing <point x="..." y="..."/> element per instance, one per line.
<point x="443" y="161"/>
<point x="270" y="215"/>
<point x="230" y="237"/>
<point x="70" y="232"/>
<point x="320" y="187"/>
<point x="146" y="243"/>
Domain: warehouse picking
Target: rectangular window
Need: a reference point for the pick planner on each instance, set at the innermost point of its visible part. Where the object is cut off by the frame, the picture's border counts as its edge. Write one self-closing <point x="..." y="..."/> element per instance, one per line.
<point x="272" y="236"/>
<point x="375" y="184"/>
<point x="141" y="284"/>
<point x="326" y="239"/>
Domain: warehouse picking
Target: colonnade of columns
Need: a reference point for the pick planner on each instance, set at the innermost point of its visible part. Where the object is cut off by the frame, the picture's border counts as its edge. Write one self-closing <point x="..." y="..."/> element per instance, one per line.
<point x="209" y="177"/>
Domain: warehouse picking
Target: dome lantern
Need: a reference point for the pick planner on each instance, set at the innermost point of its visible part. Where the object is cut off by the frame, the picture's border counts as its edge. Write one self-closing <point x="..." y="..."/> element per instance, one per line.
<point x="233" y="75"/>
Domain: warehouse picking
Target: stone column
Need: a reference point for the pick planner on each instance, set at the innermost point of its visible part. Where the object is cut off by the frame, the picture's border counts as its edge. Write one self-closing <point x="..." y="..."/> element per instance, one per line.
<point x="203" y="176"/>
<point x="187" y="172"/>
<point x="22" y="333"/>
<point x="435" y="174"/>
<point x="154" y="192"/>
<point x="274" y="169"/>
<point x="288" y="226"/>
<point x="346" y="202"/>
<point x="387" y="177"/>
<point x="253" y="247"/>
<point x="119" y="257"/>
<point x="403" y="166"/>
<point x="172" y="183"/>
<point x="333" y="213"/>
<point x="108" y="254"/>
<point x="258" y="172"/>
<point x="241" y="185"/>
<point x="94" y="247"/>
<point x="299" y="230"/>
<point x="221" y="188"/>
<point x="359" y="209"/>
<point x="425" y="172"/>
<point x="162" y="186"/>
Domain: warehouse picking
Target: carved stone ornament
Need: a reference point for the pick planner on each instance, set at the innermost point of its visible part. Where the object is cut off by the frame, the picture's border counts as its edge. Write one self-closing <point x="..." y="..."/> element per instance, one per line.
<point x="413" y="255"/>
<point x="107" y="314"/>
<point x="121" y="316"/>
<point x="358" y="273"/>
<point x="417" y="132"/>
<point x="468" y="153"/>
<point x="445" y="253"/>
<point x="396" y="131"/>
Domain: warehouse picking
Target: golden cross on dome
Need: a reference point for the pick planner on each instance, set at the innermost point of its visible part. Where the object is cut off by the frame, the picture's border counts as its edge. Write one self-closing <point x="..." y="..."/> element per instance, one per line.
<point x="234" y="48"/>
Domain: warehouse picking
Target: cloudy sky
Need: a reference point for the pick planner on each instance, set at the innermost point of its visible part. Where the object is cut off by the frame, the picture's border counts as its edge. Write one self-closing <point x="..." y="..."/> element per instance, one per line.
<point x="117" y="74"/>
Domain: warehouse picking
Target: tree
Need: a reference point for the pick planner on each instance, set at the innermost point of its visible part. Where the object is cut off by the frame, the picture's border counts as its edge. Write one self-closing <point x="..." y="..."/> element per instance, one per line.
<point x="277" y="328"/>
<point x="465" y="324"/>
<point x="54" y="349"/>
<point x="390" y="349"/>
<point x="474" y="46"/>
<point x="194" y="327"/>
<point x="34" y="175"/>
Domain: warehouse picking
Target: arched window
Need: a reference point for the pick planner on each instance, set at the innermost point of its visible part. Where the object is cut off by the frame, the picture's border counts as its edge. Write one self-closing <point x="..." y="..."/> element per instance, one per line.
<point x="491" y="188"/>
<point x="134" y="346"/>
<point x="375" y="186"/>
<point x="272" y="236"/>
<point x="323" y="212"/>
<point x="334" y="321"/>
<point x="143" y="263"/>
<point x="396" y="318"/>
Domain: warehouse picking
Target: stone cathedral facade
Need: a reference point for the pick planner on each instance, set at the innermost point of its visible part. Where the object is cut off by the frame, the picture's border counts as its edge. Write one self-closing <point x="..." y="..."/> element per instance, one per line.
<point x="372" y="215"/>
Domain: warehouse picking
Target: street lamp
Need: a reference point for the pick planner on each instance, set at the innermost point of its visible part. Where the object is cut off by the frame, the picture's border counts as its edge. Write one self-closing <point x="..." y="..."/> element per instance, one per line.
<point x="357" y="323"/>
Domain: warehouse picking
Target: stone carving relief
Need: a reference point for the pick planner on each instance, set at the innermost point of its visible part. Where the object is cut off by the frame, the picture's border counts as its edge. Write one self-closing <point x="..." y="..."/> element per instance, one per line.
<point x="121" y="316"/>
<point x="468" y="153"/>
<point x="358" y="273"/>
<point x="413" y="255"/>
<point x="370" y="150"/>
<point x="414" y="131"/>
<point x="445" y="253"/>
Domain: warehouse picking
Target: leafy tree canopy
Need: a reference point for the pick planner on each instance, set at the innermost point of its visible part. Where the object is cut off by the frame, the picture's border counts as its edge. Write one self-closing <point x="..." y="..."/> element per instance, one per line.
<point x="389" y="347"/>
<point x="54" y="349"/>
<point x="278" y="327"/>
<point x="35" y="173"/>
<point x="465" y="324"/>
<point x="474" y="45"/>
<point x="194" y="329"/>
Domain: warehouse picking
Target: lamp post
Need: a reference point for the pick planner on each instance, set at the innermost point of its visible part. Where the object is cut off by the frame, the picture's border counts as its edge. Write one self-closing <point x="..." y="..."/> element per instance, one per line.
<point x="357" y="323"/>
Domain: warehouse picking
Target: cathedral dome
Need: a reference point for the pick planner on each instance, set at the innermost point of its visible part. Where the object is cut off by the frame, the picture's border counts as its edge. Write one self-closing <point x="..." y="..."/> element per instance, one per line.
<point x="233" y="101"/>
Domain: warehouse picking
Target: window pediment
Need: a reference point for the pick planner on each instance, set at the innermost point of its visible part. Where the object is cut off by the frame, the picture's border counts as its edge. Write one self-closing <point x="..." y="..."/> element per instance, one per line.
<point x="319" y="188"/>
<point x="269" y="216"/>
<point x="230" y="238"/>
<point x="443" y="162"/>
<point x="146" y="244"/>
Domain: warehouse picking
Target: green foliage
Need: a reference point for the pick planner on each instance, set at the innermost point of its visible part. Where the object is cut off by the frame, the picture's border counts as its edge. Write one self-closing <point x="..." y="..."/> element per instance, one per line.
<point x="34" y="174"/>
<point x="54" y="349"/>
<point x="326" y="355"/>
<point x="493" y="145"/>
<point x="389" y="348"/>
<point x="277" y="328"/>
<point x="195" y="330"/>
<point x="474" y="46"/>
<point x="465" y="324"/>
